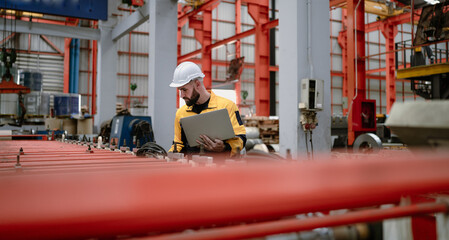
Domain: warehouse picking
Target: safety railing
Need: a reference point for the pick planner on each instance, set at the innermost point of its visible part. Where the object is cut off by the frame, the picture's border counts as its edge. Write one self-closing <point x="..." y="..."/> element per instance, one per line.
<point x="408" y="55"/>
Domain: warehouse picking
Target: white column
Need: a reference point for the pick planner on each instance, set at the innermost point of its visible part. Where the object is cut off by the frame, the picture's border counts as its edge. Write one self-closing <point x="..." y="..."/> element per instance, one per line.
<point x="106" y="70"/>
<point x="162" y="63"/>
<point x="294" y="66"/>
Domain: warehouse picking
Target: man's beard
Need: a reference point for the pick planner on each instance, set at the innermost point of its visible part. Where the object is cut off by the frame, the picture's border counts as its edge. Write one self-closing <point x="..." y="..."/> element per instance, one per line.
<point x="192" y="100"/>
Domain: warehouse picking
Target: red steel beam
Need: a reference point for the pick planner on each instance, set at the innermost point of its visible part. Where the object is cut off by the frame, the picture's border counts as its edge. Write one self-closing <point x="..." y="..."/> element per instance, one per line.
<point x="296" y="225"/>
<point x="181" y="23"/>
<point x="38" y="52"/>
<point x="258" y="10"/>
<point x="267" y="26"/>
<point x="206" y="40"/>
<point x="203" y="7"/>
<point x="238" y="30"/>
<point x="112" y="203"/>
<point x="52" y="45"/>
<point x="336" y="3"/>
<point x="390" y="31"/>
<point x="395" y="20"/>
<point x="189" y="55"/>
<point x="232" y="39"/>
<point x="66" y="64"/>
<point x="342" y="41"/>
<point x="3" y="41"/>
<point x="356" y="63"/>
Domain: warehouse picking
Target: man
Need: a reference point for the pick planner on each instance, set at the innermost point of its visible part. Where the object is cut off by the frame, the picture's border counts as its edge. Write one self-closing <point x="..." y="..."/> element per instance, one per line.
<point x="188" y="79"/>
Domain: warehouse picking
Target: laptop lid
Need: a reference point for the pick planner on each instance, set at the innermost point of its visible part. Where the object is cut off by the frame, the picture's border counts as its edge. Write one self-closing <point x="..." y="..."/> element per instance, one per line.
<point x="215" y="124"/>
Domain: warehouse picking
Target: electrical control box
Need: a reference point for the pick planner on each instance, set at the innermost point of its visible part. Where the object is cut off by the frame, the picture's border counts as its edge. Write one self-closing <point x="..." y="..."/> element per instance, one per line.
<point x="312" y="94"/>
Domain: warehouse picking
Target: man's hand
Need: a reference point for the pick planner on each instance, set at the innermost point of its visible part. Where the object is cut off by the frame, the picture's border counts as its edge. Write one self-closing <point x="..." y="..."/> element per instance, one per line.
<point x="215" y="145"/>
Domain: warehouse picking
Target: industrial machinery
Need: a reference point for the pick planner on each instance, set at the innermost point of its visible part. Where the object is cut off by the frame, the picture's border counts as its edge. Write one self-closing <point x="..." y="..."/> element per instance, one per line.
<point x="428" y="67"/>
<point x="425" y="124"/>
<point x="433" y="24"/>
<point x="421" y="124"/>
<point x="131" y="131"/>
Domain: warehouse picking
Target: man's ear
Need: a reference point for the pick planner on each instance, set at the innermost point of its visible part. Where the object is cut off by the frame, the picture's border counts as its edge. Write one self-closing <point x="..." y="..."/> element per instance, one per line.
<point x="197" y="83"/>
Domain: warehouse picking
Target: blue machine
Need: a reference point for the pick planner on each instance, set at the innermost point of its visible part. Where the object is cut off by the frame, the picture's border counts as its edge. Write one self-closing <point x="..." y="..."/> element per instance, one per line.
<point x="66" y="104"/>
<point x="135" y="130"/>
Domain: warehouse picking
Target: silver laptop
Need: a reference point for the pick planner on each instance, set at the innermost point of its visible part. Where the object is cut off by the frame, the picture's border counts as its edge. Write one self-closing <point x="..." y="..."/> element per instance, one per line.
<point x="215" y="124"/>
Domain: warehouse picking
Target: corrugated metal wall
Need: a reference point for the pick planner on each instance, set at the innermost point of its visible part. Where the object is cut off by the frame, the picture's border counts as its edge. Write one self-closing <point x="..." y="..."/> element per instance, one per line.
<point x="40" y="56"/>
<point x="133" y="65"/>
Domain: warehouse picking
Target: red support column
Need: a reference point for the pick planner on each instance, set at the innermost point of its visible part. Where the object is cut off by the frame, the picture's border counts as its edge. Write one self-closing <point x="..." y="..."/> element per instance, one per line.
<point x="66" y="64"/>
<point x="343" y="41"/>
<point x="181" y="23"/>
<point x="203" y="34"/>
<point x="389" y="31"/>
<point x="424" y="226"/>
<point x="206" y="54"/>
<point x="258" y="11"/>
<point x="238" y="29"/>
<point x="356" y="63"/>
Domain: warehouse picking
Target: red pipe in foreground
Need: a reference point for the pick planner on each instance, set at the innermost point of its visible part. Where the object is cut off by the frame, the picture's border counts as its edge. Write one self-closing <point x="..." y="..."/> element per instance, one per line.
<point x="297" y="225"/>
<point x="141" y="201"/>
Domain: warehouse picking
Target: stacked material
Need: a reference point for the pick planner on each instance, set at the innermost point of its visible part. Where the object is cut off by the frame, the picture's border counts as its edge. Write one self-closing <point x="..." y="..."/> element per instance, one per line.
<point x="268" y="128"/>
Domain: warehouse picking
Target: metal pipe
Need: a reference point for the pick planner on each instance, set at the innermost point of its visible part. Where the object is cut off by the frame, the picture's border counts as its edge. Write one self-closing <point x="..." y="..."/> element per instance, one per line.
<point x="309" y="38"/>
<point x="273" y="61"/>
<point x="71" y="68"/>
<point x="128" y="99"/>
<point x="94" y="78"/>
<point x="238" y="30"/>
<point x="356" y="61"/>
<point x="138" y="201"/>
<point x="296" y="225"/>
<point x="76" y="66"/>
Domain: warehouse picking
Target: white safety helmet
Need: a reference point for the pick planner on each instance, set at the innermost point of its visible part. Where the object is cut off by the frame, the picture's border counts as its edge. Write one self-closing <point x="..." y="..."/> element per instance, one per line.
<point x="184" y="73"/>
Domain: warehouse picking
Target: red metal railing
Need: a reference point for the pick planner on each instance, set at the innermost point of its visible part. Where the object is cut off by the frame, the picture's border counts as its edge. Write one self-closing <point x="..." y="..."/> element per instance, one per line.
<point x="296" y="225"/>
<point x="94" y="195"/>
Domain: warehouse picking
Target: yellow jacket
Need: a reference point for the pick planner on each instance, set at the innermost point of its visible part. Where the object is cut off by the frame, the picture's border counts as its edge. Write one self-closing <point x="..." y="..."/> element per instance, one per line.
<point x="215" y="103"/>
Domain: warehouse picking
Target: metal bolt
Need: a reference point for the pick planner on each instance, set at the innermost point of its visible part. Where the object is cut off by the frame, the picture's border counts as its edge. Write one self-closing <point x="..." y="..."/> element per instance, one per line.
<point x="89" y="150"/>
<point x="18" y="162"/>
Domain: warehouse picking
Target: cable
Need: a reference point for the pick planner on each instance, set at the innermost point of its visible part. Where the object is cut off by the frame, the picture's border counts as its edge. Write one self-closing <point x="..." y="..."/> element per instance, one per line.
<point x="4" y="24"/>
<point x="151" y="149"/>
<point x="356" y="77"/>
<point x="309" y="37"/>
<point x="311" y="142"/>
<point x="307" y="146"/>
<point x="143" y="131"/>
